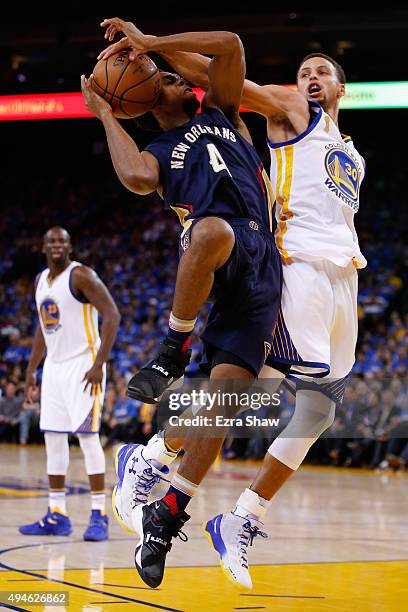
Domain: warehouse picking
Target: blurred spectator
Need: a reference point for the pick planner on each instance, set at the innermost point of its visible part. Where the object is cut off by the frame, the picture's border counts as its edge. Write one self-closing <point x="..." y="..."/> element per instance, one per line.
<point x="30" y="415"/>
<point x="10" y="412"/>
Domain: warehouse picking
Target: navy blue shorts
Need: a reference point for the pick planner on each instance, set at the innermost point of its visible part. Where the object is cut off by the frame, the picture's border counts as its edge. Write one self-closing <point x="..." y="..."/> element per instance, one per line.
<point x="246" y="298"/>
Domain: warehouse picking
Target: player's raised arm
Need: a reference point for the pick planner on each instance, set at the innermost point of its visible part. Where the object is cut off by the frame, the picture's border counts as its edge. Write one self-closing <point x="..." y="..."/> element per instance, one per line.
<point x="138" y="172"/>
<point x="191" y="66"/>
<point x="274" y="102"/>
<point x="225" y="47"/>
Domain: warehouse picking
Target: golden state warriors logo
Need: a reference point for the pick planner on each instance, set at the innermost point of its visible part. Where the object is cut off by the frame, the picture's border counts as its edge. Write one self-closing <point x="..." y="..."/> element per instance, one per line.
<point x="50" y="315"/>
<point x="344" y="176"/>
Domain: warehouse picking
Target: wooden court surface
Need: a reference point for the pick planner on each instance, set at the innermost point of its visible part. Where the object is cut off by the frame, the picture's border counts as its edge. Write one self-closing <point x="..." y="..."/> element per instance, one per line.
<point x="338" y="542"/>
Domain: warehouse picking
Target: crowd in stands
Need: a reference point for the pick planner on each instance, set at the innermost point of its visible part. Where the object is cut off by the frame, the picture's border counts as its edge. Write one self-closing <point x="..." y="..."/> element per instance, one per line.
<point x="132" y="244"/>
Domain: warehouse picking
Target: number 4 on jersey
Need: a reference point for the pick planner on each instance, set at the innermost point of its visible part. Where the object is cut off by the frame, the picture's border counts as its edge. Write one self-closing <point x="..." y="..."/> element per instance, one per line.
<point x="216" y="160"/>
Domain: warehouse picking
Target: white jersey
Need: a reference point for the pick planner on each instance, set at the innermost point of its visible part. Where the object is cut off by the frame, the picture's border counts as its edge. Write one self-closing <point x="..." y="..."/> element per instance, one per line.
<point x="316" y="177"/>
<point x="69" y="325"/>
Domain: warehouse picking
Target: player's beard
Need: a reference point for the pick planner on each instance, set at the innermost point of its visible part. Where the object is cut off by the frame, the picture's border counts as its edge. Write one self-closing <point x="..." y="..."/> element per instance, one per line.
<point x="191" y="107"/>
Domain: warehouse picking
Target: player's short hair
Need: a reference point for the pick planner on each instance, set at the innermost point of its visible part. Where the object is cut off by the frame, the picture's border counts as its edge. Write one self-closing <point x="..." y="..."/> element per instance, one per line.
<point x="57" y="227"/>
<point x="339" y="70"/>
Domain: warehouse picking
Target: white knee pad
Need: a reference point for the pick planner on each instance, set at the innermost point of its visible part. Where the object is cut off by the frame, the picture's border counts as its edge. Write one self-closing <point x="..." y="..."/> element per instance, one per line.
<point x="57" y="449"/>
<point x="314" y="413"/>
<point x="93" y="453"/>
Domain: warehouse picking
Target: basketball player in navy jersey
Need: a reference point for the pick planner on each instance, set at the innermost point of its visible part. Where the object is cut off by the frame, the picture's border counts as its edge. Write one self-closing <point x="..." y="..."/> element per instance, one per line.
<point x="206" y="169"/>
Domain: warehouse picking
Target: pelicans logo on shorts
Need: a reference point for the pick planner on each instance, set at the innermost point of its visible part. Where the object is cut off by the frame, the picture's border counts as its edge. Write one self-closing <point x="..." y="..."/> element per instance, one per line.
<point x="50" y="315"/>
<point x="344" y="176"/>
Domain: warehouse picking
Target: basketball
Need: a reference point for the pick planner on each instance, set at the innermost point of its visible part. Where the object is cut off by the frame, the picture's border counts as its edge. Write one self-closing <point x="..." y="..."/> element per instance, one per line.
<point x="130" y="87"/>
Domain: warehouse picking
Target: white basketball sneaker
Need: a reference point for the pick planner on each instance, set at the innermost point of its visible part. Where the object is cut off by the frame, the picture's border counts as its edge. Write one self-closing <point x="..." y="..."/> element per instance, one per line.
<point x="136" y="479"/>
<point x="230" y="534"/>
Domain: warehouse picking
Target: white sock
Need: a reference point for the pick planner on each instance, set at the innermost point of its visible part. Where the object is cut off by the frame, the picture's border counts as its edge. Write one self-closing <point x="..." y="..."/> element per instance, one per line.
<point x="56" y="500"/>
<point x="98" y="499"/>
<point x="156" y="450"/>
<point x="251" y="505"/>
<point x="184" y="485"/>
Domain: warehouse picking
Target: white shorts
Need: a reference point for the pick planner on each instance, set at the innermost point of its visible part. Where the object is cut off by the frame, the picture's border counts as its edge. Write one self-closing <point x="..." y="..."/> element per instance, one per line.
<point x="316" y="330"/>
<point x="65" y="407"/>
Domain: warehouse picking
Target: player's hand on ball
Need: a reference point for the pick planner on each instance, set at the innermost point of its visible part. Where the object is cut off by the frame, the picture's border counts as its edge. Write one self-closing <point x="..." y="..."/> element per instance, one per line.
<point x="93" y="378"/>
<point x="123" y="43"/>
<point x="93" y="102"/>
<point x="138" y="41"/>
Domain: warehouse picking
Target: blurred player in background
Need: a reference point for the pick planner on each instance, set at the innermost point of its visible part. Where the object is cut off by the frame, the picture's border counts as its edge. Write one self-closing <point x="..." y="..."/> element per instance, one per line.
<point x="316" y="174"/>
<point x="69" y="297"/>
<point x="207" y="169"/>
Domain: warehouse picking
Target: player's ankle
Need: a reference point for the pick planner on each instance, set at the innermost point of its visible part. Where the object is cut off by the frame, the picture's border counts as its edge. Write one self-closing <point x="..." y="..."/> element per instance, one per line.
<point x="251" y="505"/>
<point x="157" y="451"/>
<point x="179" y="332"/>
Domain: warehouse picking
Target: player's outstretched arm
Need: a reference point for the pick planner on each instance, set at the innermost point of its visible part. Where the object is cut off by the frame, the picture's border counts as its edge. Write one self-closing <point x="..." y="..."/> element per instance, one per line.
<point x="275" y="102"/>
<point x="138" y="172"/>
<point x="87" y="283"/>
<point x="191" y="66"/>
<point x="228" y="60"/>
<point x="272" y="101"/>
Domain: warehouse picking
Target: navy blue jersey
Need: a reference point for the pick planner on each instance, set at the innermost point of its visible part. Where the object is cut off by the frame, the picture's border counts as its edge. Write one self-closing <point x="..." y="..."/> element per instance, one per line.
<point x="208" y="169"/>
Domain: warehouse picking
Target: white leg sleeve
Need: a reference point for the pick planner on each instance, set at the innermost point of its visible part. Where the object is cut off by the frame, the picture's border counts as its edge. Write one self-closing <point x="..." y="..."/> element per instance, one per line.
<point x="93" y="453"/>
<point x="314" y="413"/>
<point x="57" y="449"/>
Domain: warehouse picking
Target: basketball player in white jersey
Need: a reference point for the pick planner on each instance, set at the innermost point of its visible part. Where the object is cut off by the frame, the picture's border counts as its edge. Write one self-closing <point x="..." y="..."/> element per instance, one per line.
<point x="69" y="297"/>
<point x="316" y="173"/>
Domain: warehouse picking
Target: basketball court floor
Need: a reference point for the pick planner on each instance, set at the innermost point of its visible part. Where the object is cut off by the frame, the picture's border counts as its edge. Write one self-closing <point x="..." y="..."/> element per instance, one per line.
<point x="338" y="542"/>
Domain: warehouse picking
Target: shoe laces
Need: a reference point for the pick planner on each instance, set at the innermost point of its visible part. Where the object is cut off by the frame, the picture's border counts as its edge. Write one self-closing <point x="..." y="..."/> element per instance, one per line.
<point x="179" y="534"/>
<point x="245" y="537"/>
<point x="169" y="534"/>
<point x="172" y="530"/>
<point x="96" y="520"/>
<point x="143" y="484"/>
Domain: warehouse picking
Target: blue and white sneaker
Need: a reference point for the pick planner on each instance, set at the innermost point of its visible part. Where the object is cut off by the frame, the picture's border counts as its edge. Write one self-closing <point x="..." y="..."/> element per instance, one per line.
<point x="53" y="523"/>
<point x="137" y="477"/>
<point x="230" y="534"/>
<point x="98" y="528"/>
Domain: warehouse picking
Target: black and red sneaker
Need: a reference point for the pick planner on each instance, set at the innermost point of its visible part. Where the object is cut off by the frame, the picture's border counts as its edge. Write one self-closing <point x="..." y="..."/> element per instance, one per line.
<point x="156" y="526"/>
<point x="165" y="371"/>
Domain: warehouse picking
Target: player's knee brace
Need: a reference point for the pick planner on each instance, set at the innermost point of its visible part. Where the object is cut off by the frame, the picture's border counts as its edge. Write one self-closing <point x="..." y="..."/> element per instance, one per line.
<point x="314" y="413"/>
<point x="57" y="448"/>
<point x="93" y="453"/>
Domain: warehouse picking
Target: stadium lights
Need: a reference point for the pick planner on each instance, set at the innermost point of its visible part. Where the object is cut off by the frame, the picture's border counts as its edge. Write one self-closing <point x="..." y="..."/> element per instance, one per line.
<point x="393" y="94"/>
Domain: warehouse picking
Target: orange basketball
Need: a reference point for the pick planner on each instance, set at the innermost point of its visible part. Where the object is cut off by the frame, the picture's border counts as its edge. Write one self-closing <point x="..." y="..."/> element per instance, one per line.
<point x="131" y="88"/>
